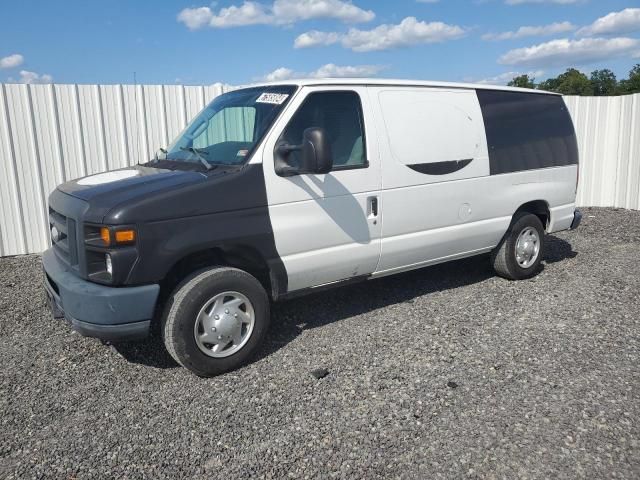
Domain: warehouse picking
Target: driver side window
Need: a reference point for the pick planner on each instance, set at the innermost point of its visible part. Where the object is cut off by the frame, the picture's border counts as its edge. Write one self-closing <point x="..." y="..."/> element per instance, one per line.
<point x="340" y="115"/>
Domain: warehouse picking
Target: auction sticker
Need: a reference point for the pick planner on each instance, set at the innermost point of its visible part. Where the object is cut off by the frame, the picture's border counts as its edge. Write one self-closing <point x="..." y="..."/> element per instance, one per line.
<point x="272" y="98"/>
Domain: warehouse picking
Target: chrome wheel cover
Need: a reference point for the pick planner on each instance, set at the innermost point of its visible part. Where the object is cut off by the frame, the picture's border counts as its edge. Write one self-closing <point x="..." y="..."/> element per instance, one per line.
<point x="224" y="324"/>
<point x="527" y="247"/>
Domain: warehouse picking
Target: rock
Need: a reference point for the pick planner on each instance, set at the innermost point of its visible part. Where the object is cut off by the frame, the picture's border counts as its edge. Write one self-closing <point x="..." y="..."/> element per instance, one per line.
<point x="319" y="373"/>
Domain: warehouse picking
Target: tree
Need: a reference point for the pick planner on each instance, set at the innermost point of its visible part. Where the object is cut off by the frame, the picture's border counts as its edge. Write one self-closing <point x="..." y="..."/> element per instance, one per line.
<point x="632" y="84"/>
<point x="571" y="82"/>
<point x="603" y="82"/>
<point x="522" y="81"/>
<point x="550" y="85"/>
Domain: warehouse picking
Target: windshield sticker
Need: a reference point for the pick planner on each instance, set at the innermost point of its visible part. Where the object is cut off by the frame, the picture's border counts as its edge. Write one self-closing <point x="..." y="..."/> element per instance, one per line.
<point x="273" y="98"/>
<point x="242" y="153"/>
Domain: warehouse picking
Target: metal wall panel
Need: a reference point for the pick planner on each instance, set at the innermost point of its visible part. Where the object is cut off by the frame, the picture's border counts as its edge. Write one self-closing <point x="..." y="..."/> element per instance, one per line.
<point x="53" y="133"/>
<point x="608" y="130"/>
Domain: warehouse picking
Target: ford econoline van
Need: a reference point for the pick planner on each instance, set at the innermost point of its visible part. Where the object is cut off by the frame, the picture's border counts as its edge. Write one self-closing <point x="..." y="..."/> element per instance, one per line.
<point x="285" y="188"/>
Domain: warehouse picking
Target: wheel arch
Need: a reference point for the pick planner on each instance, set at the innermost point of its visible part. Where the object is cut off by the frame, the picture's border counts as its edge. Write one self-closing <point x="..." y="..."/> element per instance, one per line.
<point x="540" y="208"/>
<point x="243" y="257"/>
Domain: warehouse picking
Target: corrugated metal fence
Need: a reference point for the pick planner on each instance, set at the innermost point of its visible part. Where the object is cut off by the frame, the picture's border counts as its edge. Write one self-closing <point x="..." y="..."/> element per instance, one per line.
<point x="608" y="130"/>
<point x="53" y="133"/>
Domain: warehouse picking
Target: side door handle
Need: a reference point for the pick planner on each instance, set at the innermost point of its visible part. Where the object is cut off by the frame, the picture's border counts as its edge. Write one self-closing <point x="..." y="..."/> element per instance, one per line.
<point x="372" y="203"/>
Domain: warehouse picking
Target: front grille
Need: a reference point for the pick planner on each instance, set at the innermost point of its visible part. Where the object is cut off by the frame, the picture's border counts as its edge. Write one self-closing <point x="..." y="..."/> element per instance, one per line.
<point x="63" y="236"/>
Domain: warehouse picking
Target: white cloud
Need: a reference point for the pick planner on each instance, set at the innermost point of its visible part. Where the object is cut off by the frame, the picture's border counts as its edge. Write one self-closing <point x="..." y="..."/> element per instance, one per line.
<point x="278" y="74"/>
<point x="314" y="38"/>
<point x="249" y="13"/>
<point x="615" y="23"/>
<point x="330" y="70"/>
<point x="565" y="52"/>
<point x="383" y="37"/>
<point x="32" y="77"/>
<point x="408" y="32"/>
<point x="559" y="2"/>
<point x="290" y="11"/>
<point x="506" y="77"/>
<point x="11" y="61"/>
<point x="336" y="71"/>
<point x="195" y="18"/>
<point x="280" y="12"/>
<point x="532" y="31"/>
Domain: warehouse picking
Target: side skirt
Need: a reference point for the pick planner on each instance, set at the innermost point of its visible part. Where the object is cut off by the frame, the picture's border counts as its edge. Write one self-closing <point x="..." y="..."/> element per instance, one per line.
<point x="429" y="263"/>
<point x="320" y="288"/>
<point x="361" y="278"/>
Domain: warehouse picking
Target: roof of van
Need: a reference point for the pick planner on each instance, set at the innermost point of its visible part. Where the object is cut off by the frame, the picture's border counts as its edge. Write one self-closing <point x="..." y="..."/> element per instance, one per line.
<point x="394" y="82"/>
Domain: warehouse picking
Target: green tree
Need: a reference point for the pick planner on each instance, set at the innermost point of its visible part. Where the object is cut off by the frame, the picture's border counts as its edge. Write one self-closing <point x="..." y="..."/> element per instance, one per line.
<point x="550" y="85"/>
<point x="571" y="82"/>
<point x="522" y="81"/>
<point x="604" y="82"/>
<point x="632" y="84"/>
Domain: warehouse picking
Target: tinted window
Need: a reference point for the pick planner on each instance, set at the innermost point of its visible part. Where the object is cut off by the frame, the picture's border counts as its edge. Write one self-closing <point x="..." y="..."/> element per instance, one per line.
<point x="526" y="131"/>
<point x="340" y="115"/>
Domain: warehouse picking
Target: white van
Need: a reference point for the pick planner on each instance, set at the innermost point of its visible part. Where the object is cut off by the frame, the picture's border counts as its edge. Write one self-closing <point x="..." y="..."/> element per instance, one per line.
<point x="285" y="188"/>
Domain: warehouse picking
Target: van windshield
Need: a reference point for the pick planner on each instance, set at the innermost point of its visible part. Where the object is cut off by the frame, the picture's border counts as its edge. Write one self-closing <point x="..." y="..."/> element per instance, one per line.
<point x="230" y="127"/>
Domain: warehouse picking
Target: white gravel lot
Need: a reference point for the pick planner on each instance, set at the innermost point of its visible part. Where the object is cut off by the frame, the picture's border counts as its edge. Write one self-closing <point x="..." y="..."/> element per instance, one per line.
<point x="445" y="372"/>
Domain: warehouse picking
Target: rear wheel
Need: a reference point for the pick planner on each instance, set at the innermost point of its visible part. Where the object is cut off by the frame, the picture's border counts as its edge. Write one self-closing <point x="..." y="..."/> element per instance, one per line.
<point x="215" y="320"/>
<point x="520" y="251"/>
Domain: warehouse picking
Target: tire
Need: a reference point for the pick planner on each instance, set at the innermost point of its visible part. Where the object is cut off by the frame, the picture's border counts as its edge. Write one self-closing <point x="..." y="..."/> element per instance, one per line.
<point x="504" y="257"/>
<point x="192" y="307"/>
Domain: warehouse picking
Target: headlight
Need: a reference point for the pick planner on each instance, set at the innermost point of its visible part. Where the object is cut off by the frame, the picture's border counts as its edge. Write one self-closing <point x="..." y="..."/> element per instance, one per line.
<point x="108" y="264"/>
<point x="109" y="236"/>
<point x="110" y="252"/>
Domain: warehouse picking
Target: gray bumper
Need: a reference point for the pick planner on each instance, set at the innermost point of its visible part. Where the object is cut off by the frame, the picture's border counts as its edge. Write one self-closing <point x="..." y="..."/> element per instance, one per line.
<point x="577" y="218"/>
<point x="108" y="313"/>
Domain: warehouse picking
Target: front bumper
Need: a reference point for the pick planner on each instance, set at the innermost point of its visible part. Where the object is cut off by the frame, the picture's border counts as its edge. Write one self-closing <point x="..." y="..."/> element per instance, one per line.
<point x="108" y="313"/>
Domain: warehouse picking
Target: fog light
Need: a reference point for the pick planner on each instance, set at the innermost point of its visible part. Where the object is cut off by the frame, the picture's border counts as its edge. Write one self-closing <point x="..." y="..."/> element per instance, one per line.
<point x="109" y="265"/>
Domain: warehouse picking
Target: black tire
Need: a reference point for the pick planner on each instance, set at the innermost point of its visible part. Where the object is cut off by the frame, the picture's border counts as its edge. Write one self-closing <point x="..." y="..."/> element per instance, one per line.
<point x="503" y="257"/>
<point x="186" y="301"/>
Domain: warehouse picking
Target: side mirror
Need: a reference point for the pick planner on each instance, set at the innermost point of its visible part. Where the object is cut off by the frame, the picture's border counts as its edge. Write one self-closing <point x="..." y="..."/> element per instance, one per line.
<point x="315" y="154"/>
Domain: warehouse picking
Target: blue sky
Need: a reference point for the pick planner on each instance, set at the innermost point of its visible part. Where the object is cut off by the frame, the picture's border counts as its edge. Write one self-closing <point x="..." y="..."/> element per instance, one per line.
<point x="237" y="41"/>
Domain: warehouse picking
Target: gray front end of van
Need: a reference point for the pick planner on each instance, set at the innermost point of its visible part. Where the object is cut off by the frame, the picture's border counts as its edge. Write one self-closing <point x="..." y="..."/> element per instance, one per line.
<point x="106" y="312"/>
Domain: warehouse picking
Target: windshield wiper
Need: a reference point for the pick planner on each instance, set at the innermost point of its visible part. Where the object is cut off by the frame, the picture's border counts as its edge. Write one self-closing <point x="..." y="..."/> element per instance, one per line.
<point x="198" y="154"/>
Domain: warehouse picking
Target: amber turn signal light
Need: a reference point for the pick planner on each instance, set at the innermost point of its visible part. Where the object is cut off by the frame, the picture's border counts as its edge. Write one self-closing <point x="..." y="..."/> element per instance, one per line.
<point x="105" y="235"/>
<point x="125" y="236"/>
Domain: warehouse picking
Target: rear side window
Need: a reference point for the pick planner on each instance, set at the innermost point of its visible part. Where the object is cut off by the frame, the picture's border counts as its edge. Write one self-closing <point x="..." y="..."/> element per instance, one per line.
<point x="526" y="131"/>
<point x="340" y="115"/>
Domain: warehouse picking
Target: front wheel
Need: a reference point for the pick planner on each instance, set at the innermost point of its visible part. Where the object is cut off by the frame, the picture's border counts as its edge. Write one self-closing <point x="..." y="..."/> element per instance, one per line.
<point x="519" y="253"/>
<point x="215" y="320"/>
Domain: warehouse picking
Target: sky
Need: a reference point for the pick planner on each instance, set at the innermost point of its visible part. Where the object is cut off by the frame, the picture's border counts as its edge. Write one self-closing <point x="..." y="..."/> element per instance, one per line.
<point x="239" y="41"/>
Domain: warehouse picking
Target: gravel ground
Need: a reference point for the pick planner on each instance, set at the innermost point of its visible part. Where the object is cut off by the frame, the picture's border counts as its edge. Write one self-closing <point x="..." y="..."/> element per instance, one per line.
<point x="445" y="372"/>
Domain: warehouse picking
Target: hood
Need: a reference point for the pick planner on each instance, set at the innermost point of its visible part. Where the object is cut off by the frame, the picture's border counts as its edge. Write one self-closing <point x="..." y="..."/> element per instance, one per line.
<point x="104" y="191"/>
<point x="127" y="183"/>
